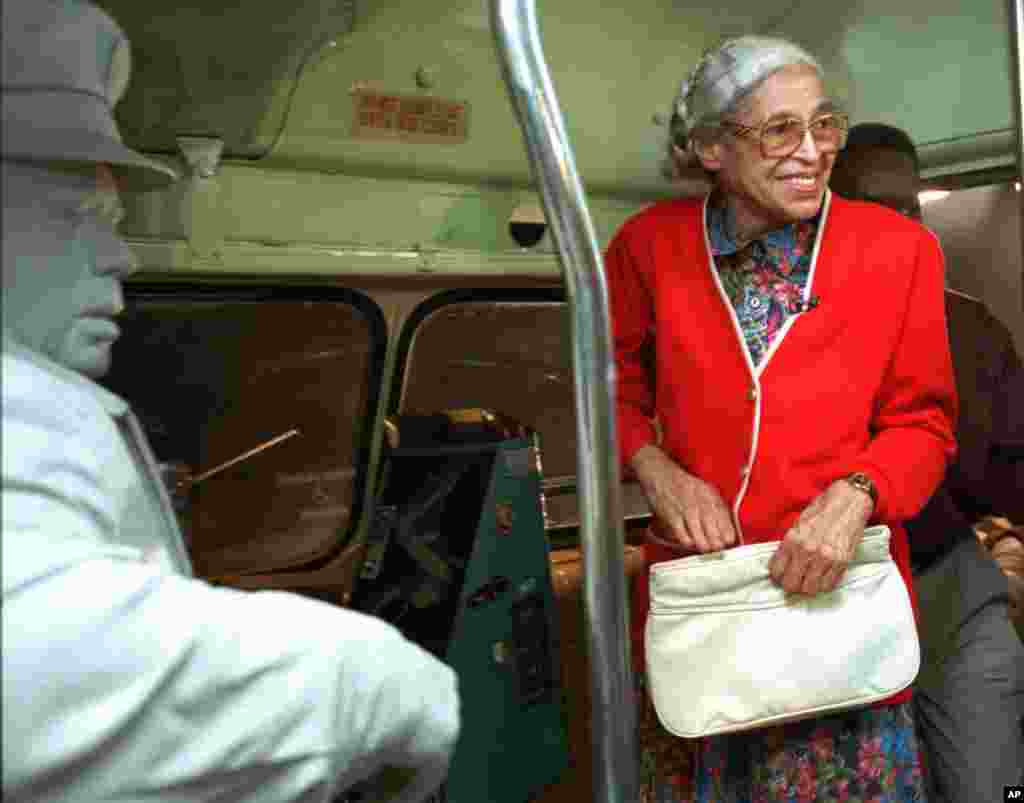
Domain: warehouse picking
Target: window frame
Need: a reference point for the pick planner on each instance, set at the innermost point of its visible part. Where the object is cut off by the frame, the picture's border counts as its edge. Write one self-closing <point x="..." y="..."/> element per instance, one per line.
<point x="226" y="291"/>
<point x="635" y="508"/>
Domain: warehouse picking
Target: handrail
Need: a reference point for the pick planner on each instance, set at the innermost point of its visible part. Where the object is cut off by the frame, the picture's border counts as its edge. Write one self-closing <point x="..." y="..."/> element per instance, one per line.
<point x="514" y="24"/>
<point x="1016" y="9"/>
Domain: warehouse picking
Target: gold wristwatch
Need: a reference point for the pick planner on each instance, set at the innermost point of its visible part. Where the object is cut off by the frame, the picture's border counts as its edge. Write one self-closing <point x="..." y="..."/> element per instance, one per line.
<point x="862" y="482"/>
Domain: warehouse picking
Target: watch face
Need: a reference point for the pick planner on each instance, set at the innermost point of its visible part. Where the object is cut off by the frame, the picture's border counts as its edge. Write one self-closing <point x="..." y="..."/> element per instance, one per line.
<point x="862" y="482"/>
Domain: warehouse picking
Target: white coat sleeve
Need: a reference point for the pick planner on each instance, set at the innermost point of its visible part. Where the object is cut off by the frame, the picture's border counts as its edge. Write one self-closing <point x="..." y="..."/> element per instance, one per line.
<point x="123" y="681"/>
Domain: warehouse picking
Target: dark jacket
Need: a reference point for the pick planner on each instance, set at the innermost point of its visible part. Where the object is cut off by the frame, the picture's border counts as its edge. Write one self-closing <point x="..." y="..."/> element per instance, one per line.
<point x="988" y="474"/>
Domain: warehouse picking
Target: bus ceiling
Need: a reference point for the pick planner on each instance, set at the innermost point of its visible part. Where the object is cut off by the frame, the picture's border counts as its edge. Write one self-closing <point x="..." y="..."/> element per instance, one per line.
<point x="285" y="84"/>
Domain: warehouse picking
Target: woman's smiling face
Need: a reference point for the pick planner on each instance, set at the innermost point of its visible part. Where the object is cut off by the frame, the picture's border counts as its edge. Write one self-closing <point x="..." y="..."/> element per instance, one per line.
<point x="767" y="193"/>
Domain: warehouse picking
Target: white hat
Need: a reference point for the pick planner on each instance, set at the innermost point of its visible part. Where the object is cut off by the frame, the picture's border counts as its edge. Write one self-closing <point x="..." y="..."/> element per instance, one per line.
<point x="65" y="65"/>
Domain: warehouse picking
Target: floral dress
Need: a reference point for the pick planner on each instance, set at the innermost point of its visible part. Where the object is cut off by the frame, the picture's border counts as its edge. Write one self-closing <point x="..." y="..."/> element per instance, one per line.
<point x="867" y="755"/>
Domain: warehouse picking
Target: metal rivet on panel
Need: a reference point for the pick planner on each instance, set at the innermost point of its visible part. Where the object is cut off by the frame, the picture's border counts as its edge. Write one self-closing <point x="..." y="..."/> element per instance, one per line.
<point x="424" y="78"/>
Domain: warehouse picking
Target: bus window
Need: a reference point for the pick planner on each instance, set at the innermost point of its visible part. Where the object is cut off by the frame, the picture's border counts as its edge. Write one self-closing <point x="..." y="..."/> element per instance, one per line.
<point x="509" y="352"/>
<point x="285" y="376"/>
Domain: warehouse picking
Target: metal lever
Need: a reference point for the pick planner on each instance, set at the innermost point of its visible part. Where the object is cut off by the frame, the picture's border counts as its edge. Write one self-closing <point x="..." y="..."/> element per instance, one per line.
<point x="606" y="608"/>
<point x="195" y="479"/>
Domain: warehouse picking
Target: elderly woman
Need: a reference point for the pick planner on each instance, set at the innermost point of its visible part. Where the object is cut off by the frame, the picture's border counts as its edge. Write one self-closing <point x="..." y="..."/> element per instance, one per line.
<point x="792" y="348"/>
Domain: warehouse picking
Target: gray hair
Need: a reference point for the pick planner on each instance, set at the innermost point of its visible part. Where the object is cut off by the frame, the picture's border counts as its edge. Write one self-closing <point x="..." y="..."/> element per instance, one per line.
<point x="721" y="80"/>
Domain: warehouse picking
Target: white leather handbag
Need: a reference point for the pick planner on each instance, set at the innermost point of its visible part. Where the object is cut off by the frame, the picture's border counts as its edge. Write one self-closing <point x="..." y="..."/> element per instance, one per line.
<point x="728" y="650"/>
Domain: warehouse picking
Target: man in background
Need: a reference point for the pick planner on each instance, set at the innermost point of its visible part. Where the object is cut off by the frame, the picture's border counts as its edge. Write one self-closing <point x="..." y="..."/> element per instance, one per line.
<point x="125" y="678"/>
<point x="969" y="694"/>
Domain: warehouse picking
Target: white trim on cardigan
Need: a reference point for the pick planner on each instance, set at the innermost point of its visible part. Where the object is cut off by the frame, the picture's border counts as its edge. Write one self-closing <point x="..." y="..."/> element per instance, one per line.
<point x="755" y="371"/>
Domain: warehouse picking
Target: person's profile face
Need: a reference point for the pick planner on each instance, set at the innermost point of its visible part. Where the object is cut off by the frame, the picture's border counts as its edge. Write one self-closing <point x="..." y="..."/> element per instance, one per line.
<point x="881" y="175"/>
<point x="63" y="262"/>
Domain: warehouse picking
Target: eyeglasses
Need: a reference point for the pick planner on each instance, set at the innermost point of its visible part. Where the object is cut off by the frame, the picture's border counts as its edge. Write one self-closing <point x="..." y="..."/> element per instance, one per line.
<point x="781" y="137"/>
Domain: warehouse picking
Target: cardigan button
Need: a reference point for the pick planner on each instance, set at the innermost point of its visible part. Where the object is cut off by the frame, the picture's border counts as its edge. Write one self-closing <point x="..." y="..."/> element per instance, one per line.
<point x="752" y="393"/>
<point x="745" y="471"/>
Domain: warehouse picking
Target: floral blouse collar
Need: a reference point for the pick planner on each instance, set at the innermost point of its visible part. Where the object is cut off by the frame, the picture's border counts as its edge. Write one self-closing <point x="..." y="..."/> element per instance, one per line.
<point x="721" y="232"/>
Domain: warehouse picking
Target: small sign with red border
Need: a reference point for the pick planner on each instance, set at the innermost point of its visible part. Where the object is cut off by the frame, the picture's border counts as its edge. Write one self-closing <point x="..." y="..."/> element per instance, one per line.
<point x="408" y="118"/>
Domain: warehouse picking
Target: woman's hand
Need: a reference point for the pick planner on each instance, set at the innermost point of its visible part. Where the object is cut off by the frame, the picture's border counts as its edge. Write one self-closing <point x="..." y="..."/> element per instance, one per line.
<point x="815" y="552"/>
<point x="688" y="510"/>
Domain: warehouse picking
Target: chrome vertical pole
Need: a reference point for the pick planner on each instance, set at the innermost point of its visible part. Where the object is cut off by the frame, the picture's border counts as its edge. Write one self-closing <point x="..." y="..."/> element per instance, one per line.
<point x="604" y="585"/>
<point x="1016" y="8"/>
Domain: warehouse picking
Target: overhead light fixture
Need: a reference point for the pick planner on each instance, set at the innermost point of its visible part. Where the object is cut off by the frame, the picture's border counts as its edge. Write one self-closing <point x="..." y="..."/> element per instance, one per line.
<point x="527" y="223"/>
<point x="928" y="196"/>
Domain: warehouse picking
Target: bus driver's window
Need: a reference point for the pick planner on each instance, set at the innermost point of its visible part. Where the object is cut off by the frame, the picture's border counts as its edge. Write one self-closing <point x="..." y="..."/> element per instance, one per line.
<point x="284" y="380"/>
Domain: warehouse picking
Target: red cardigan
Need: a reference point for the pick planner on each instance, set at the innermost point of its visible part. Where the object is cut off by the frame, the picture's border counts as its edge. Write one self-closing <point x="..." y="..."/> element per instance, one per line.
<point x="861" y="382"/>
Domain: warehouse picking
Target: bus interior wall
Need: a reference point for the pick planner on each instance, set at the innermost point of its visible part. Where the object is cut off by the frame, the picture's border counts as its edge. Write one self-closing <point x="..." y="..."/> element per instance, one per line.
<point x="360" y="248"/>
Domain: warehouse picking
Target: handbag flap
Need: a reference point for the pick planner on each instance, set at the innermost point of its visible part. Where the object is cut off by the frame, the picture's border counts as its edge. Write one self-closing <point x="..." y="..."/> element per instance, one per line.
<point x="732" y="571"/>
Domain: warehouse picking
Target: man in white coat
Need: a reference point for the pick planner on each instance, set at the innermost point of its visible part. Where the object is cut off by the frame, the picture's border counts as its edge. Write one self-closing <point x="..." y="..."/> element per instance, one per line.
<point x="125" y="678"/>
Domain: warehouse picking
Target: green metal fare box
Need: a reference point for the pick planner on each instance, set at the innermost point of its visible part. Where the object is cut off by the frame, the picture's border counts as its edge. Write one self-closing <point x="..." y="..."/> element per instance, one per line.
<point x="458" y="560"/>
